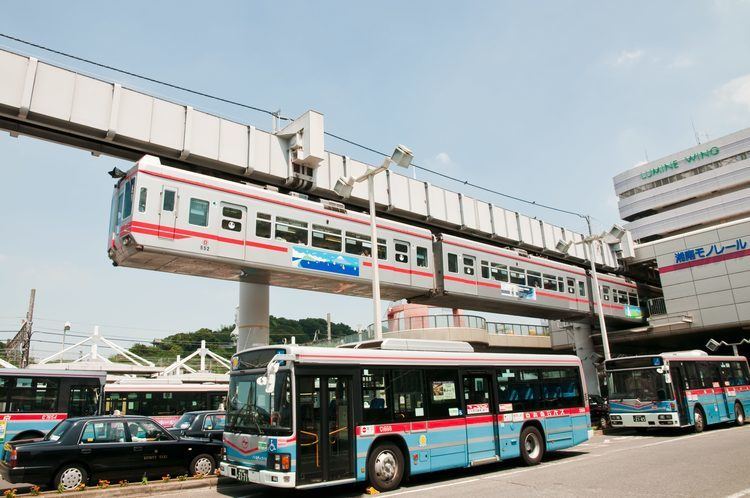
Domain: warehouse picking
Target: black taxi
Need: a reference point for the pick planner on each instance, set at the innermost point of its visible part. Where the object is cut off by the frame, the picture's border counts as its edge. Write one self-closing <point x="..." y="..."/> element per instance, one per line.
<point x="106" y="447"/>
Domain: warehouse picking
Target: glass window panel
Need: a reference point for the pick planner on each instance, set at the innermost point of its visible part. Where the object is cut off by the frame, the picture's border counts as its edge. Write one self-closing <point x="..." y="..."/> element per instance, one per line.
<point x="292" y="231"/>
<point x="452" y="263"/>
<point x="142" y="200"/>
<point x="326" y="238"/>
<point x="169" y="200"/>
<point x="534" y="279"/>
<point x="198" y="212"/>
<point x="263" y="225"/>
<point x="422" y="257"/>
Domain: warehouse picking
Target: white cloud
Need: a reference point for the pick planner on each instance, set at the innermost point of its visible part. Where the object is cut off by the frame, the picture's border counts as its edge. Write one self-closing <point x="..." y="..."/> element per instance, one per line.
<point x="681" y="62"/>
<point x="3" y="258"/>
<point x="735" y="92"/>
<point x="628" y="57"/>
<point x="443" y="158"/>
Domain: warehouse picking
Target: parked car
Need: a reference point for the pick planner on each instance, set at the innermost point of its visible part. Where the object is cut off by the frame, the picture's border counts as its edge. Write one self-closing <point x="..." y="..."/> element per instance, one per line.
<point x="84" y="449"/>
<point x="599" y="411"/>
<point x="205" y="423"/>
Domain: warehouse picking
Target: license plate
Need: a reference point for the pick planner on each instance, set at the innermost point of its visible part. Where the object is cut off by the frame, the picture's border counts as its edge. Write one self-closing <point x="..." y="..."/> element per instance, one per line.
<point x="242" y="475"/>
<point x="639" y="418"/>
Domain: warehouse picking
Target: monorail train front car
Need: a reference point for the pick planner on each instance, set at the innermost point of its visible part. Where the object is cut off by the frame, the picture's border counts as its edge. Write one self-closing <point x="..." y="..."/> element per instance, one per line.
<point x="176" y="221"/>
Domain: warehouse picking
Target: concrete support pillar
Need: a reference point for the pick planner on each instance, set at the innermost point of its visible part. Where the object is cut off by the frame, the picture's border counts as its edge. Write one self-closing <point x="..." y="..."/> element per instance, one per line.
<point x="584" y="347"/>
<point x="252" y="316"/>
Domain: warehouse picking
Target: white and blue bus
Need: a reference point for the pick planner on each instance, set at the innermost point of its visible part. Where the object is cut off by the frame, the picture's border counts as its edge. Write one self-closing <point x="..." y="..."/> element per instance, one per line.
<point x="681" y="389"/>
<point x="305" y="417"/>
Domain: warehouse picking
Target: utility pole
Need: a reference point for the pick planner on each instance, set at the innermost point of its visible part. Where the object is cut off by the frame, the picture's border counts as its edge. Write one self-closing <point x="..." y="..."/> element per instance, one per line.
<point x="328" y="326"/>
<point x="22" y="340"/>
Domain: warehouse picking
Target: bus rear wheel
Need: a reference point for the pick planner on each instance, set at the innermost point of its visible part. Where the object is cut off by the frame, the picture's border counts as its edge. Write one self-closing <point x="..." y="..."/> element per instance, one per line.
<point x="385" y="467"/>
<point x="739" y="414"/>
<point x="699" y="420"/>
<point x="532" y="445"/>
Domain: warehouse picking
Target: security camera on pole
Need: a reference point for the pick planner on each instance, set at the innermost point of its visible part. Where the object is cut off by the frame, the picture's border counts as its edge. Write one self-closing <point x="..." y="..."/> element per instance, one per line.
<point x="402" y="156"/>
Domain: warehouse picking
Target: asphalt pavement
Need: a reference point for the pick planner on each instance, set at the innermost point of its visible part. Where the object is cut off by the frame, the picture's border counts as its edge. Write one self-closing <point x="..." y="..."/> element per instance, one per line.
<point x="713" y="463"/>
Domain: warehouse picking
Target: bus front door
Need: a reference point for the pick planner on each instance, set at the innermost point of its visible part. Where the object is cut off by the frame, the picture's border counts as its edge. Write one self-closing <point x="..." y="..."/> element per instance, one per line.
<point x="481" y="430"/>
<point x="325" y="434"/>
<point x="677" y="377"/>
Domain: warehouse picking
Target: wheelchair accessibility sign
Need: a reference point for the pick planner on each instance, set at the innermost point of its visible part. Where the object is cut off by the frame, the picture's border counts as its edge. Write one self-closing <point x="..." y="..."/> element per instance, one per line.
<point x="273" y="444"/>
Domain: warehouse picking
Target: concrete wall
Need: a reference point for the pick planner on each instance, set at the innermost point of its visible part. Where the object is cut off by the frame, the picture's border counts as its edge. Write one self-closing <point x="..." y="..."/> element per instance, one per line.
<point x="478" y="337"/>
<point x="706" y="274"/>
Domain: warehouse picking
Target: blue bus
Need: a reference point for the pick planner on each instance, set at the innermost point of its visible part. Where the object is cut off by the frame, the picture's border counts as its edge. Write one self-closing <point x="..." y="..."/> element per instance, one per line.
<point x="681" y="389"/>
<point x="33" y="401"/>
<point x="306" y="417"/>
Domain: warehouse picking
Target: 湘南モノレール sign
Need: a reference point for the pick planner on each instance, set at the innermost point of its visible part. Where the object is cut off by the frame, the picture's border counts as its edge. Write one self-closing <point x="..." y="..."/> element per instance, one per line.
<point x="673" y="165"/>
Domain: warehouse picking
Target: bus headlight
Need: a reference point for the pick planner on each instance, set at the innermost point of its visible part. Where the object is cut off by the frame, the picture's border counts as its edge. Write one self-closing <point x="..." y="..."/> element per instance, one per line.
<point x="615" y="417"/>
<point x="665" y="417"/>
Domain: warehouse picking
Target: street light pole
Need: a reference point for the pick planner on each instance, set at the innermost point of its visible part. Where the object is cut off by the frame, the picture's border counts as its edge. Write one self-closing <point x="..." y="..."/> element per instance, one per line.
<point x="598" y="299"/>
<point x="375" y="264"/>
<point x="66" y="327"/>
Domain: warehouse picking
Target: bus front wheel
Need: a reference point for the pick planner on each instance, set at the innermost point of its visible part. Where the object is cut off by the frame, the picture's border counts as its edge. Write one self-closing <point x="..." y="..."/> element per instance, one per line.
<point x="385" y="467"/>
<point x="532" y="445"/>
<point x="699" y="420"/>
<point x="739" y="414"/>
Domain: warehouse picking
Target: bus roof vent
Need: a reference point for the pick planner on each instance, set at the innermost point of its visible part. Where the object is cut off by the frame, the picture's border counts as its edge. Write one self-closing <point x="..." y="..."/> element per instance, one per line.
<point x="333" y="206"/>
<point x="425" y="345"/>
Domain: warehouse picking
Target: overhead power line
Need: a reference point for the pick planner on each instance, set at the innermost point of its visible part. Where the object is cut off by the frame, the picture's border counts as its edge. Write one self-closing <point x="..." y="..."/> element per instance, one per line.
<point x="277" y="115"/>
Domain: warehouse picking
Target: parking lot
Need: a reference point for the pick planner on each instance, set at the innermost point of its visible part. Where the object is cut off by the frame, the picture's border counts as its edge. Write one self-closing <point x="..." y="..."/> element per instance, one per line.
<point x="714" y="463"/>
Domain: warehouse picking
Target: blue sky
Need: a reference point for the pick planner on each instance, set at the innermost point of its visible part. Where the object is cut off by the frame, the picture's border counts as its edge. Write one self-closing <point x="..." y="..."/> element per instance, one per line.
<point x="543" y="100"/>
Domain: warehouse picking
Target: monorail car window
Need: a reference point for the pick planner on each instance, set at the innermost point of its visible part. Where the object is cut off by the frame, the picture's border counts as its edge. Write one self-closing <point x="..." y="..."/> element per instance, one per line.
<point x="142" y="200"/>
<point x="169" y="200"/>
<point x="605" y="292"/>
<point x="452" y="263"/>
<point x="485" y="269"/>
<point x="326" y="238"/>
<point x="534" y="279"/>
<point x="382" y="249"/>
<point x="358" y="244"/>
<point x="263" y="225"/>
<point x="422" y="257"/>
<point x="127" y="210"/>
<point x="517" y="275"/>
<point x="581" y="289"/>
<point x="469" y="265"/>
<point x="292" y="231"/>
<point x="623" y="297"/>
<point x="230" y="212"/>
<point x="198" y="212"/>
<point x="571" y="285"/>
<point x="560" y="284"/>
<point x="550" y="282"/>
<point x="499" y="272"/>
<point x="633" y="299"/>
<point x="402" y="251"/>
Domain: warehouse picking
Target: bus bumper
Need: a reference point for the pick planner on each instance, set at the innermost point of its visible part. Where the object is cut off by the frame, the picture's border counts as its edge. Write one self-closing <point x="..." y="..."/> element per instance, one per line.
<point x="264" y="477"/>
<point x="663" y="419"/>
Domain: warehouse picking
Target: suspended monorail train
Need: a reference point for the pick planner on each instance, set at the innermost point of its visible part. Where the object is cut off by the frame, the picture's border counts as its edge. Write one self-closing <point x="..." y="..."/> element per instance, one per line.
<point x="172" y="220"/>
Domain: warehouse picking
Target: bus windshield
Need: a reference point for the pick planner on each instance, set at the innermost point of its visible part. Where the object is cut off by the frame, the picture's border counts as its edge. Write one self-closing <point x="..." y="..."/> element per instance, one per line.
<point x="253" y="411"/>
<point x="644" y="384"/>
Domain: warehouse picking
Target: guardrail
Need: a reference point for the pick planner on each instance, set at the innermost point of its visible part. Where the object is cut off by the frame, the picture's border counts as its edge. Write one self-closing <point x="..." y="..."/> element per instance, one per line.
<point x="439" y="322"/>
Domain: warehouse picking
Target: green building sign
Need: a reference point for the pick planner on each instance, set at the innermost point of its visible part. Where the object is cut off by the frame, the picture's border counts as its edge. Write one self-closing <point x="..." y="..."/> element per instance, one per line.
<point x="673" y="165"/>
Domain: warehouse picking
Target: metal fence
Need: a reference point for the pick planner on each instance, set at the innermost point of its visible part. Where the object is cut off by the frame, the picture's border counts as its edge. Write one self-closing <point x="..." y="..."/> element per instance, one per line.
<point x="656" y="306"/>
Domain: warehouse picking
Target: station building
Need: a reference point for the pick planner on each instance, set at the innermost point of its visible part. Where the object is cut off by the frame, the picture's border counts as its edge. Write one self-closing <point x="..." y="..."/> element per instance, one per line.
<point x="689" y="214"/>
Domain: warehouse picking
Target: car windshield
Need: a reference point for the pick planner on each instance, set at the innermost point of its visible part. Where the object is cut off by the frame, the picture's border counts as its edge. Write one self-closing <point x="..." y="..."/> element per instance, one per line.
<point x="59" y="430"/>
<point x="644" y="384"/>
<point x="253" y="411"/>
<point x="185" y="421"/>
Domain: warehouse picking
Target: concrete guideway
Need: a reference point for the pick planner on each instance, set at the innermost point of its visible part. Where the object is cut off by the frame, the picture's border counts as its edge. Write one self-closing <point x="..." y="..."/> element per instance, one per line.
<point x="713" y="463"/>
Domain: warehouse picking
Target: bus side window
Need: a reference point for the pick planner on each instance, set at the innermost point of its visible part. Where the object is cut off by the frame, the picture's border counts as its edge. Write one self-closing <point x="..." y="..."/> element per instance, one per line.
<point x="408" y="394"/>
<point x="561" y="387"/>
<point x="452" y="263"/>
<point x="422" y="256"/>
<point x="263" y="225"/>
<point x="443" y="394"/>
<point x="518" y="389"/>
<point x="375" y="386"/>
<point x="4" y="385"/>
<point x="142" y="200"/>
